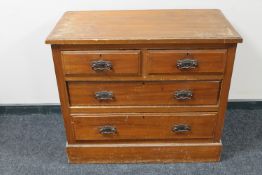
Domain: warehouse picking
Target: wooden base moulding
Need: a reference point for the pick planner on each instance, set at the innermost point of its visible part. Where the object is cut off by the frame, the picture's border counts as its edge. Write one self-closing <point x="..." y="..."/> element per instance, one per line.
<point x="144" y="152"/>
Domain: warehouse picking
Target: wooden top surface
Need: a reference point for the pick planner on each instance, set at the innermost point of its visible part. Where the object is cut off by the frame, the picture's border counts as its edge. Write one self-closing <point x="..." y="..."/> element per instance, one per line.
<point x="143" y="26"/>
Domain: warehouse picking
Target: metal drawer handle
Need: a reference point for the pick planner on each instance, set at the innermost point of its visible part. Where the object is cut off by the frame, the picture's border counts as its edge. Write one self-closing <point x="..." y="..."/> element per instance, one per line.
<point x="186" y="63"/>
<point x="101" y="65"/>
<point x="181" y="128"/>
<point x="183" y="94"/>
<point x="108" y="130"/>
<point x="104" y="95"/>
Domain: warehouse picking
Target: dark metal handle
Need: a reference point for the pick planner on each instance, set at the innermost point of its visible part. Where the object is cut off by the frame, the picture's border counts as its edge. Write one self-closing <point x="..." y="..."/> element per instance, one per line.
<point x="181" y="128"/>
<point x="186" y="64"/>
<point x="104" y="95"/>
<point x="183" y="94"/>
<point x="107" y="130"/>
<point x="101" y="65"/>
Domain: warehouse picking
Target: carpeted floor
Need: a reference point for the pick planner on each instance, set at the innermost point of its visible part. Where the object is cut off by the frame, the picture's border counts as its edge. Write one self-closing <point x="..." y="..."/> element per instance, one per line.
<point x="33" y="142"/>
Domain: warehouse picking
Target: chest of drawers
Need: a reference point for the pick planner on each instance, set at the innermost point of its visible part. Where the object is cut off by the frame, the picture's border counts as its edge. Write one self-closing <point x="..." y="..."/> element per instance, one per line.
<point x="143" y="86"/>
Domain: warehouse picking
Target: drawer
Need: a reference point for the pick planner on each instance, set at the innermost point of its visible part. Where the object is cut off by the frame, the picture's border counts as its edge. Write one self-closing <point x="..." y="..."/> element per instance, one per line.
<point x="186" y="61"/>
<point x="144" y="93"/>
<point x="144" y="126"/>
<point x="101" y="63"/>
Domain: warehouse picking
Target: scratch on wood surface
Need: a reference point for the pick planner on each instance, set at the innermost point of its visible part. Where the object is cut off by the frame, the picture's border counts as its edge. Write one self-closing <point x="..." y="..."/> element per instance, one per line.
<point x="126" y="118"/>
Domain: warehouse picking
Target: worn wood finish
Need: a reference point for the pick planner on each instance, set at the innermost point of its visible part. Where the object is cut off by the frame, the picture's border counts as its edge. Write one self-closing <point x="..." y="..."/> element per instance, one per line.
<point x="143" y="26"/>
<point x="143" y="93"/>
<point x="150" y="109"/>
<point x="224" y="92"/>
<point x="163" y="77"/>
<point x="62" y="93"/>
<point x="125" y="62"/>
<point x="144" y="126"/>
<point x="165" y="61"/>
<point x="144" y="53"/>
<point x="150" y="153"/>
<point x="147" y="141"/>
<point x="152" y="46"/>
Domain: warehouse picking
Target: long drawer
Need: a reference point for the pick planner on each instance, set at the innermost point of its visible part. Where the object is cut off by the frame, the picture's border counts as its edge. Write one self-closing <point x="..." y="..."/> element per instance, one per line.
<point x="144" y="126"/>
<point x="144" y="93"/>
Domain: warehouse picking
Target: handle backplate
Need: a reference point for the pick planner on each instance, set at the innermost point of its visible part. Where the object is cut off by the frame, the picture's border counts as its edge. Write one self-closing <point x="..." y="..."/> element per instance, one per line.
<point x="101" y="65"/>
<point x="104" y="95"/>
<point x="183" y="94"/>
<point x="186" y="63"/>
<point x="181" y="128"/>
<point x="107" y="130"/>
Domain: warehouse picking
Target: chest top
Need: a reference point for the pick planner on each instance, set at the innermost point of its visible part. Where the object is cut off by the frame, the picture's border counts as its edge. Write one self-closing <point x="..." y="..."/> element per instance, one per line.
<point x="143" y="26"/>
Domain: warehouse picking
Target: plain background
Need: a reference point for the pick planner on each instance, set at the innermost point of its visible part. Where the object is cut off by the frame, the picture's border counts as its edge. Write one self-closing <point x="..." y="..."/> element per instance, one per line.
<point x="26" y="68"/>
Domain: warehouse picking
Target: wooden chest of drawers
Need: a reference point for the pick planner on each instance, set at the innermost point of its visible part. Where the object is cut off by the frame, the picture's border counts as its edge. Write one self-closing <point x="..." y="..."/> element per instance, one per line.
<point x="143" y="86"/>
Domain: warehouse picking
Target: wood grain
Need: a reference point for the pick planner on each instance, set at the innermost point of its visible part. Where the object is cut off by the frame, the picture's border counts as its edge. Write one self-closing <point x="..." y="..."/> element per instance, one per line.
<point x="124" y="62"/>
<point x="146" y="77"/>
<point x="143" y="26"/>
<point x="143" y="109"/>
<point x="144" y="153"/>
<point x="151" y="46"/>
<point x="224" y="92"/>
<point x="143" y="93"/>
<point x="165" y="61"/>
<point x="144" y="126"/>
<point x="62" y="93"/>
<point x="144" y="46"/>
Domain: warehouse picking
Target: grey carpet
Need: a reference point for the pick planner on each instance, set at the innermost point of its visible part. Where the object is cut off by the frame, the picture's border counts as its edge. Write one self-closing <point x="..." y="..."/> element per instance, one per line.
<point x="33" y="144"/>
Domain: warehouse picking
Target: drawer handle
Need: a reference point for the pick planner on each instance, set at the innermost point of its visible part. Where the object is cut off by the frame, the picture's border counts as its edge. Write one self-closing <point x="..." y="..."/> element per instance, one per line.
<point x="186" y="64"/>
<point x="107" y="130"/>
<point x="183" y="94"/>
<point x="101" y="66"/>
<point x="104" y="95"/>
<point x="181" y="128"/>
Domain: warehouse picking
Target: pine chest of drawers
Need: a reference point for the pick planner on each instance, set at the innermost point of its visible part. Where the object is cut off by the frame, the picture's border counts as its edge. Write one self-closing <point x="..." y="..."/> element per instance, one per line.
<point x="143" y="86"/>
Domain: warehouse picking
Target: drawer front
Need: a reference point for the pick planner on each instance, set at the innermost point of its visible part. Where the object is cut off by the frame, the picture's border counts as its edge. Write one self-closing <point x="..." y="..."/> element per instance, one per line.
<point x="144" y="93"/>
<point x="101" y="63"/>
<point x="144" y="126"/>
<point x="186" y="61"/>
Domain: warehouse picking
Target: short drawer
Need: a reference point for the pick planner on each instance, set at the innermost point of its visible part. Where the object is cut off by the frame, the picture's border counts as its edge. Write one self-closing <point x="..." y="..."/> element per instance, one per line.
<point x="144" y="126"/>
<point x="144" y="93"/>
<point x="101" y="63"/>
<point x="186" y="61"/>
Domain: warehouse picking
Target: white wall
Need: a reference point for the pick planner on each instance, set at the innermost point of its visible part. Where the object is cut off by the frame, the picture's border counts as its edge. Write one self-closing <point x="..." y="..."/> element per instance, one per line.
<point x="26" y="68"/>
